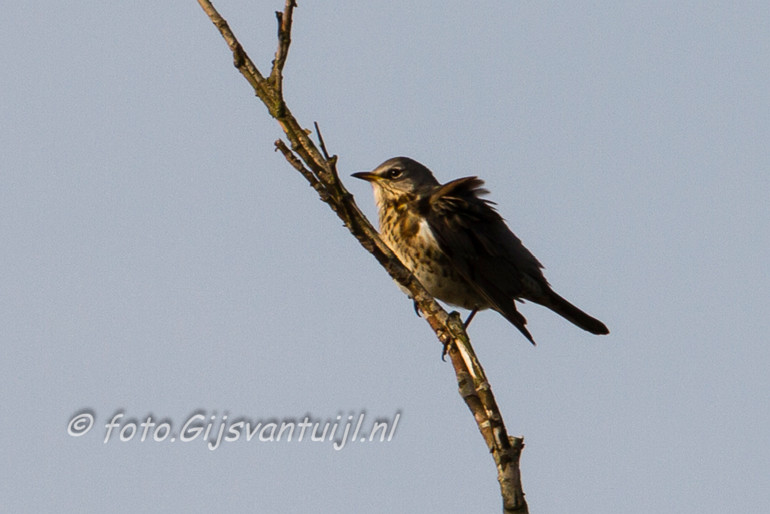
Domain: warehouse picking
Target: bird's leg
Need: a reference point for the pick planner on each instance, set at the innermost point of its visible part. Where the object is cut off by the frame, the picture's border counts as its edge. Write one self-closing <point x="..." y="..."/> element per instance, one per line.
<point x="470" y="317"/>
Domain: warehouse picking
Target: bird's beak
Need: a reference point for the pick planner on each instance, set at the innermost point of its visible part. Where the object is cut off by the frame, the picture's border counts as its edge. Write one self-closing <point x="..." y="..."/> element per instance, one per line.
<point x="366" y="175"/>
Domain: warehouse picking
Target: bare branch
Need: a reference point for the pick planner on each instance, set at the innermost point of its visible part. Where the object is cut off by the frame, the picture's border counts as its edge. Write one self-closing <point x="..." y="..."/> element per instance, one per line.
<point x="297" y="163"/>
<point x="319" y="169"/>
<point x="240" y="59"/>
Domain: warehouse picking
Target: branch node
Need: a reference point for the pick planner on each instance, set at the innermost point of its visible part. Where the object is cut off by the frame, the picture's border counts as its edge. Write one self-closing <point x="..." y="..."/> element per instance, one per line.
<point x="239" y="57"/>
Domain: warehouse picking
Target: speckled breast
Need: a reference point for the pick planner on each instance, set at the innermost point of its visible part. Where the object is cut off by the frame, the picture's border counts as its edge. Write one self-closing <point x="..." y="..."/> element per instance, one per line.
<point x="411" y="239"/>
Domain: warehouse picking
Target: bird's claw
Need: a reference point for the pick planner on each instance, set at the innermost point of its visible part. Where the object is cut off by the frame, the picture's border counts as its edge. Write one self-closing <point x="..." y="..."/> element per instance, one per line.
<point x="445" y="351"/>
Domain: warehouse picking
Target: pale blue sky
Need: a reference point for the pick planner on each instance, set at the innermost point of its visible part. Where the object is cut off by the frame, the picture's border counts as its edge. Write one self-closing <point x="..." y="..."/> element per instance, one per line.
<point x="160" y="258"/>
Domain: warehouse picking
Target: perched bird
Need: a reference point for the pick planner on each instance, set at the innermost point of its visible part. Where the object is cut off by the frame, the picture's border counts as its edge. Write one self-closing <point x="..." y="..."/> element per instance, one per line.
<point x="459" y="247"/>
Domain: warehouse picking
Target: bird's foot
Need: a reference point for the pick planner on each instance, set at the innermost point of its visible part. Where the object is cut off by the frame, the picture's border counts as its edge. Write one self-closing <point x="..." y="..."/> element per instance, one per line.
<point x="446" y="340"/>
<point x="447" y="343"/>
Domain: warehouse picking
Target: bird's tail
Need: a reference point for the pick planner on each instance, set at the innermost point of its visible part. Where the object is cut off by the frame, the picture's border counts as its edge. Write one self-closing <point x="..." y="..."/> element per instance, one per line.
<point x="571" y="313"/>
<point x="509" y="311"/>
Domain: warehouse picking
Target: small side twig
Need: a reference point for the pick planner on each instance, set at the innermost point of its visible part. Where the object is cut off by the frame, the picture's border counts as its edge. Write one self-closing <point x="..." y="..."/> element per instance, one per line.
<point x="321" y="141"/>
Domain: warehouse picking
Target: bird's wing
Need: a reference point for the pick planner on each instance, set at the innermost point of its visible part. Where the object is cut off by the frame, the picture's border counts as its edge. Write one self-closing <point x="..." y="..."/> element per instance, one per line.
<point x="481" y="247"/>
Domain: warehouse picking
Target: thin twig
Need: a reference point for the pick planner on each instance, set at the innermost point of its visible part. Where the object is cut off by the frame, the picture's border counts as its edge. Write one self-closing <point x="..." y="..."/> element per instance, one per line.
<point x="321" y="141"/>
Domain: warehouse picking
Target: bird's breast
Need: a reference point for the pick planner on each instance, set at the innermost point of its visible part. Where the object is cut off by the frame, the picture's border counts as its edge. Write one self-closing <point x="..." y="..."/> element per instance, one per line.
<point x="410" y="237"/>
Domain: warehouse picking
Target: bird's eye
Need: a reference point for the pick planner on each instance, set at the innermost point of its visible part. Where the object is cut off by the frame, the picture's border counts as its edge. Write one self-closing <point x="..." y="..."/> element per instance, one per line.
<point x="394" y="173"/>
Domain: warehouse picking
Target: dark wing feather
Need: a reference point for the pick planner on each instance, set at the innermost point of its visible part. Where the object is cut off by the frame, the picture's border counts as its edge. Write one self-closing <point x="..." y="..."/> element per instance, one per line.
<point x="490" y="257"/>
<point x="482" y="248"/>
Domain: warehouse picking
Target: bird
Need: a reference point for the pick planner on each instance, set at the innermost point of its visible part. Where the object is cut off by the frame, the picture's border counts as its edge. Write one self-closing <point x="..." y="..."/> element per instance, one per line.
<point x="459" y="247"/>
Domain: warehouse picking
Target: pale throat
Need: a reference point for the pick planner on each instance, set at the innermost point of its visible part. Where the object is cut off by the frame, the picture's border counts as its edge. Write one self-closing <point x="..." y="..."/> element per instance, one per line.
<point x="382" y="197"/>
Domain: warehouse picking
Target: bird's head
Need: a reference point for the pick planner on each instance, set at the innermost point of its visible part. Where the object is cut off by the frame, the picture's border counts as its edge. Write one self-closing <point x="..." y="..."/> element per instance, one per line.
<point x="397" y="179"/>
